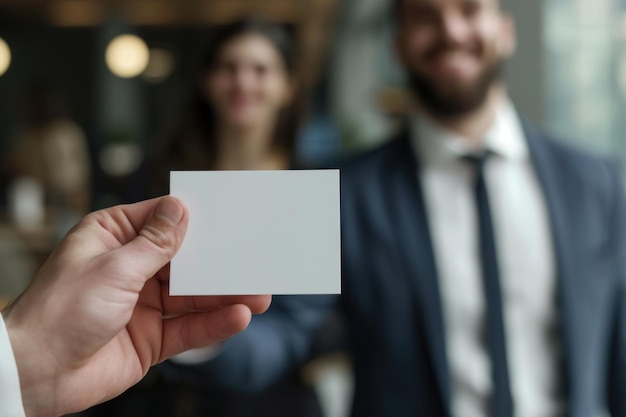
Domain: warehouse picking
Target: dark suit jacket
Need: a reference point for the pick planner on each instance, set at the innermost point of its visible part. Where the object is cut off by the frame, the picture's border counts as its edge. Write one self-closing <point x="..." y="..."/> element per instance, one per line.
<point x="391" y="296"/>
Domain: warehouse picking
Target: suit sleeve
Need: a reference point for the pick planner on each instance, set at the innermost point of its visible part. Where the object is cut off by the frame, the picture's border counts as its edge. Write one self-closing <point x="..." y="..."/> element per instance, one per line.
<point x="617" y="358"/>
<point x="274" y="345"/>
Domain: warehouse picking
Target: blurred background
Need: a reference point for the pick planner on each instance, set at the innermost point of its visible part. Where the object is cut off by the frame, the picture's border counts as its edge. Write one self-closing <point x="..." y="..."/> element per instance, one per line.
<point x="89" y="87"/>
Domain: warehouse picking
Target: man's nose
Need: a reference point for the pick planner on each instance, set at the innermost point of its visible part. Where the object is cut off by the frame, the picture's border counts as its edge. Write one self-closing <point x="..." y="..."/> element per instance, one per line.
<point x="454" y="27"/>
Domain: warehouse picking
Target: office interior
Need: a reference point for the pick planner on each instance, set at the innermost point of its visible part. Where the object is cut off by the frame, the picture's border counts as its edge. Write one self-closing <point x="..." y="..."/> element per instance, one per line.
<point x="568" y="75"/>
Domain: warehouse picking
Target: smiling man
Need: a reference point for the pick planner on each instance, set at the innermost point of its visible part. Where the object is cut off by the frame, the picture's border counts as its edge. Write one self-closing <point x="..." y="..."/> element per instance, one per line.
<point x="483" y="262"/>
<point x="454" y="52"/>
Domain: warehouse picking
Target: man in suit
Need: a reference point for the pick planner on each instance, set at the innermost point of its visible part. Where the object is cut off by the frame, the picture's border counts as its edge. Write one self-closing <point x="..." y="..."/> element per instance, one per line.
<point x="483" y="263"/>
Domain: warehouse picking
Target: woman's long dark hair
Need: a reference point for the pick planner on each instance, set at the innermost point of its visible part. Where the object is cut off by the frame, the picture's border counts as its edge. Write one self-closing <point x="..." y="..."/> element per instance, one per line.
<point x="199" y="123"/>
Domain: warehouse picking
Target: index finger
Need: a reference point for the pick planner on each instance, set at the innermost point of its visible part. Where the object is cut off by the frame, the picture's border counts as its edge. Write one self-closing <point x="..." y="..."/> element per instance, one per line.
<point x="175" y="305"/>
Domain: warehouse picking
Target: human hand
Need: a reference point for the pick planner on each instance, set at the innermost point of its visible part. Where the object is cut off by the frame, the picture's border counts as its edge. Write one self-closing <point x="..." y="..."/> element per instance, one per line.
<point x="98" y="314"/>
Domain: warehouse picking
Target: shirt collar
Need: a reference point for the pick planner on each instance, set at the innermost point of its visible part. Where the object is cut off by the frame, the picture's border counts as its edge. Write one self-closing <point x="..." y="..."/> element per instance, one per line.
<point x="435" y="143"/>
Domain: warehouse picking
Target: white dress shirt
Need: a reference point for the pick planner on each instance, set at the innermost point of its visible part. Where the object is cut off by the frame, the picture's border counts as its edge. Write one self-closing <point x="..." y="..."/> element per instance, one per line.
<point x="10" y="394"/>
<point x="525" y="257"/>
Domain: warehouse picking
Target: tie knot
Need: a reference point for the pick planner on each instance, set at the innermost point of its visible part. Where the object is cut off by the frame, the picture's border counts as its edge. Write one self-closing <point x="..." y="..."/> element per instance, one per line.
<point x="477" y="160"/>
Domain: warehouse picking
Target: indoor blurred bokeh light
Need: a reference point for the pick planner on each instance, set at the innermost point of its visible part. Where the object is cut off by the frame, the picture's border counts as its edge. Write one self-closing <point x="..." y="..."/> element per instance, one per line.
<point x="127" y="56"/>
<point x="5" y="56"/>
<point x="161" y="64"/>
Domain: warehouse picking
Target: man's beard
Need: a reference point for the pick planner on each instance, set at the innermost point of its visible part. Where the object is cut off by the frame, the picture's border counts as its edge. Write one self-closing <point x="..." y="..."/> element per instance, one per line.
<point x="454" y="102"/>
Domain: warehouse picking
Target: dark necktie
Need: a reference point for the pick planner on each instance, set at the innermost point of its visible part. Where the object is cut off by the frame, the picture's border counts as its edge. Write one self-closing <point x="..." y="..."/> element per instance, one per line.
<point x="501" y="400"/>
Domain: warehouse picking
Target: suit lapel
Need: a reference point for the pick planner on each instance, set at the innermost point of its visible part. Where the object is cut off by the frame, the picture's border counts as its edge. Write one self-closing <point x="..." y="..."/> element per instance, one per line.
<point x="409" y="219"/>
<point x="411" y="228"/>
<point x="561" y="200"/>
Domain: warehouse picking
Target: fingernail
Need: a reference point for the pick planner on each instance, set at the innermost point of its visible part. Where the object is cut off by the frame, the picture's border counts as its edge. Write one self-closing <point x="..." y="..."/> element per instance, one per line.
<point x="169" y="210"/>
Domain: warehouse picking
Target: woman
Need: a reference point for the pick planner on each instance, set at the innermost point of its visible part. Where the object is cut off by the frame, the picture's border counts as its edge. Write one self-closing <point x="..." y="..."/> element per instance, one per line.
<point x="244" y="114"/>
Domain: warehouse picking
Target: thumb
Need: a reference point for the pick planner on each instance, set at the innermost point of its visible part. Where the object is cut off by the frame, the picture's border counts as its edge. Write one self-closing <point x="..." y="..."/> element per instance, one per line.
<point x="158" y="240"/>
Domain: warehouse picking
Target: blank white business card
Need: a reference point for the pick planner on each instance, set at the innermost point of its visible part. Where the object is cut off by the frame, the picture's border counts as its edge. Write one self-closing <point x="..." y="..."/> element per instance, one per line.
<point x="258" y="232"/>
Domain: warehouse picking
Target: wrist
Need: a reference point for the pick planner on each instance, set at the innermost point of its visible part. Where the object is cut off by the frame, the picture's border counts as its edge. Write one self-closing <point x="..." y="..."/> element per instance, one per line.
<point x="36" y="380"/>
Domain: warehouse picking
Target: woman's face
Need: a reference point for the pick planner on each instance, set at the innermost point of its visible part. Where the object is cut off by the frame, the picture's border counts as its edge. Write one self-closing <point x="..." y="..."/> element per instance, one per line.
<point x="249" y="83"/>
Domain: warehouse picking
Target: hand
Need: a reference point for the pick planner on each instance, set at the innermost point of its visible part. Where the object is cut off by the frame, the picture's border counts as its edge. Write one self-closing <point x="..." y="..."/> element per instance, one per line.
<point x="98" y="313"/>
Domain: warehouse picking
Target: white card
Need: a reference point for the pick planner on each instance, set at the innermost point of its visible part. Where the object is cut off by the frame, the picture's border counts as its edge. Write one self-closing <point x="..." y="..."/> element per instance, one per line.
<point x="258" y="232"/>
